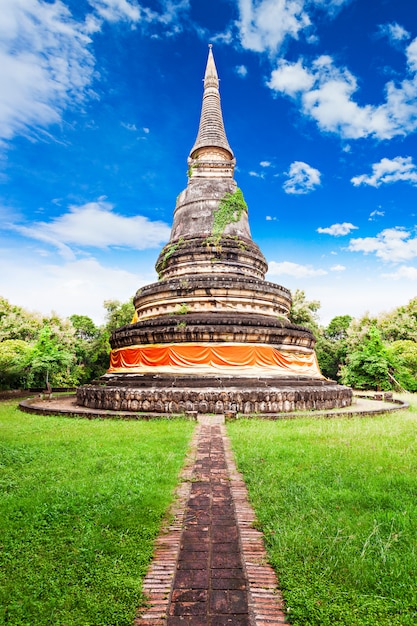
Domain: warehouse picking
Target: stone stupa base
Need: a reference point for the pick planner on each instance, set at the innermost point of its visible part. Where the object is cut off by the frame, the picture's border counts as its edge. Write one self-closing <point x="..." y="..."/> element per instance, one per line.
<point x="213" y="394"/>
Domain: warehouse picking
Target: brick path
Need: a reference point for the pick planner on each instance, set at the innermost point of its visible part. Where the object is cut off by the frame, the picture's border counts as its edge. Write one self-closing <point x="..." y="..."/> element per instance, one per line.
<point x="210" y="566"/>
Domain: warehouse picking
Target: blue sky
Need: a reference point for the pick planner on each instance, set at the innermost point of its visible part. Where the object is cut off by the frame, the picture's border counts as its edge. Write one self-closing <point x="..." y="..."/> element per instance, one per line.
<point x="99" y="108"/>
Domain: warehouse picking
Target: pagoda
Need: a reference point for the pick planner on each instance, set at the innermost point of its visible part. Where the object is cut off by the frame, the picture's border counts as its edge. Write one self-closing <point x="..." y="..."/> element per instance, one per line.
<point x="212" y="335"/>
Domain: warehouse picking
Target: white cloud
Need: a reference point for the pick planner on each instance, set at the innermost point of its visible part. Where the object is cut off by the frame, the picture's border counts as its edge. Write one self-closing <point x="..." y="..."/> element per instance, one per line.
<point x="375" y="214"/>
<point x="270" y="218"/>
<point x="265" y="164"/>
<point x="45" y="64"/>
<point x="116" y="10"/>
<point x="77" y="287"/>
<point x="242" y="71"/>
<point x="405" y="271"/>
<point x="132" y="11"/>
<point x="95" y="225"/>
<point x="302" y="178"/>
<point x="326" y="93"/>
<point x="46" y="58"/>
<point x="293" y="269"/>
<point x="391" y="244"/>
<point x="264" y="25"/>
<point x="128" y="126"/>
<point x="291" y="78"/>
<point x="256" y="174"/>
<point x="337" y="230"/>
<point x="337" y="268"/>
<point x="394" y="31"/>
<point x="389" y="171"/>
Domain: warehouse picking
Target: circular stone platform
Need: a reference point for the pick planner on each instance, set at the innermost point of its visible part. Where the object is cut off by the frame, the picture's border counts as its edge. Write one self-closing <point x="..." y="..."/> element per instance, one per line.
<point x="66" y="405"/>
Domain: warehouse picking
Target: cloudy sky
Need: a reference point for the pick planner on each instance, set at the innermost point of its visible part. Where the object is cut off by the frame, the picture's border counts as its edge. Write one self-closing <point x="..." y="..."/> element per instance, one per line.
<point x="99" y="107"/>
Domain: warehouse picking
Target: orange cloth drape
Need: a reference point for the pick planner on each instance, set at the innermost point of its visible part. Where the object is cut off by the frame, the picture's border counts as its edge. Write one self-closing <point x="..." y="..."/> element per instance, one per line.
<point x="217" y="356"/>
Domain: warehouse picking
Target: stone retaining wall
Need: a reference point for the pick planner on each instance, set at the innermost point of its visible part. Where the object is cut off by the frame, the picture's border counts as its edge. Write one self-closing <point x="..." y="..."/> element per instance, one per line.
<point x="214" y="400"/>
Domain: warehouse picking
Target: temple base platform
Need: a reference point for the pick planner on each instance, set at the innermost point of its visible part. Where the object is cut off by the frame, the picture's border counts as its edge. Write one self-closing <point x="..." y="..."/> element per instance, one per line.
<point x="173" y="394"/>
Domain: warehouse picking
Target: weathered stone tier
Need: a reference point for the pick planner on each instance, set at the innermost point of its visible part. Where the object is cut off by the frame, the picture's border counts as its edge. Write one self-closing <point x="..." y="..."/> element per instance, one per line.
<point x="198" y="328"/>
<point x="153" y="394"/>
<point x="196" y="205"/>
<point x="212" y="293"/>
<point x="226" y="255"/>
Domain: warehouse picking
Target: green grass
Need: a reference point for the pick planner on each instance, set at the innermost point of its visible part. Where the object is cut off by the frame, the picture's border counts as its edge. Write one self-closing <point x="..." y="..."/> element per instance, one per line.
<point x="337" y="502"/>
<point x="81" y="503"/>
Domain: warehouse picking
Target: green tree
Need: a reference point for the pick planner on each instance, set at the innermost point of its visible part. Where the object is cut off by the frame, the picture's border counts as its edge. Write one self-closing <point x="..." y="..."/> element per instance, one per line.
<point x="338" y="327"/>
<point x="304" y="312"/>
<point x="118" y="314"/>
<point x="17" y="323"/>
<point x="91" y="348"/>
<point x="370" y="366"/>
<point x="331" y="346"/>
<point x="400" y="324"/>
<point x="13" y="359"/>
<point x="49" y="360"/>
<point x="404" y="353"/>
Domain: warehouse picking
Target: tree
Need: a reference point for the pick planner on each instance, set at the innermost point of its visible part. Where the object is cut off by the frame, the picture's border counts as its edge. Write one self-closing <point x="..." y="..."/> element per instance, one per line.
<point x="13" y="359"/>
<point x="91" y="348"/>
<point x="401" y="323"/>
<point x="304" y="312"/>
<point x="331" y="346"/>
<point x="337" y="328"/>
<point x="49" y="360"/>
<point x="404" y="353"/>
<point x="118" y="314"/>
<point x="84" y="327"/>
<point x="370" y="365"/>
<point x="17" y="323"/>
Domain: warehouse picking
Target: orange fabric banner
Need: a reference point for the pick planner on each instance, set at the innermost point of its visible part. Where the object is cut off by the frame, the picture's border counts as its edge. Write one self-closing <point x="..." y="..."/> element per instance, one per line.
<point x="170" y="357"/>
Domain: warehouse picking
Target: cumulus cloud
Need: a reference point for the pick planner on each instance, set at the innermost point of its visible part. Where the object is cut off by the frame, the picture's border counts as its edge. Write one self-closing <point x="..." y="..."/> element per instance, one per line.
<point x="389" y="171"/>
<point x="337" y="230"/>
<point x="405" y="271"/>
<point x="265" y="164"/>
<point x="293" y="269"/>
<point x="302" y="178"/>
<point x="391" y="244"/>
<point x="394" y="31"/>
<point x="337" y="268"/>
<point x="96" y="225"/>
<point x="291" y="78"/>
<point x="264" y="25"/>
<point x="326" y="93"/>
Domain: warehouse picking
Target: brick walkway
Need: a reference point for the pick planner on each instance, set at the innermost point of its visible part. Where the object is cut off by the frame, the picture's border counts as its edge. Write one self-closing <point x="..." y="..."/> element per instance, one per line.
<point x="210" y="566"/>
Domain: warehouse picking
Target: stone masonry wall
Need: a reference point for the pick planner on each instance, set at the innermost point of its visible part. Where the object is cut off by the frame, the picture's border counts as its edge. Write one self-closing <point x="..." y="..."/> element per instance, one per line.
<point x="213" y="400"/>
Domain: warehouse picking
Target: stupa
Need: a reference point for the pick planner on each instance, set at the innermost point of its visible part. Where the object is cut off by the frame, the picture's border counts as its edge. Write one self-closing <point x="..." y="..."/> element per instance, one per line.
<point x="212" y="335"/>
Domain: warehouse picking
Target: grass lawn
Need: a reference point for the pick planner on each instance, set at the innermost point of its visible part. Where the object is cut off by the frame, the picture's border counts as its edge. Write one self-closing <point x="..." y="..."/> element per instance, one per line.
<point x="81" y="503"/>
<point x="337" y="502"/>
